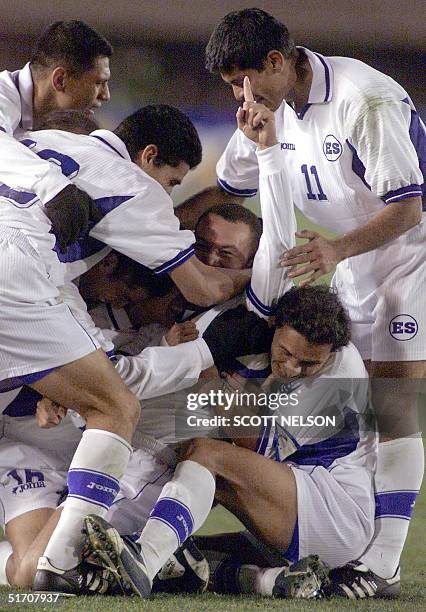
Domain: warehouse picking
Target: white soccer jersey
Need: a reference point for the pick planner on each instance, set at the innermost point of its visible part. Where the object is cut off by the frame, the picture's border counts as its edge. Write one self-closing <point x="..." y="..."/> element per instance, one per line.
<point x="350" y="151"/>
<point x="138" y="218"/>
<point x="357" y="145"/>
<point x="18" y="166"/>
<point x="339" y="392"/>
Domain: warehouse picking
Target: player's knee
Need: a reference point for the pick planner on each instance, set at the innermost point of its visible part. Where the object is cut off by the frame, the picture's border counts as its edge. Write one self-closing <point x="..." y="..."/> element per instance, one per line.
<point x="203" y="451"/>
<point x="129" y="408"/>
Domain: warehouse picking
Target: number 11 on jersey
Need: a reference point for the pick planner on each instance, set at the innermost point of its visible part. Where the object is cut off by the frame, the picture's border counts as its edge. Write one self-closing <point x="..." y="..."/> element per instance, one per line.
<point x="320" y="195"/>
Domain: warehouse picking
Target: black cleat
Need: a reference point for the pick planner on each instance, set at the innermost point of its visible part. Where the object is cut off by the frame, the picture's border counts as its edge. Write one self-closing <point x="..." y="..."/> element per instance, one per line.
<point x="186" y="571"/>
<point x="85" y="579"/>
<point x="305" y="579"/>
<point x="119" y="555"/>
<point x="355" y="581"/>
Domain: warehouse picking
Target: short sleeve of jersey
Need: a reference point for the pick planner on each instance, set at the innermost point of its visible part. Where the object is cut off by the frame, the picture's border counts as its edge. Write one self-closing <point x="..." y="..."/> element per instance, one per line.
<point x="145" y="229"/>
<point x="237" y="169"/>
<point x="383" y="141"/>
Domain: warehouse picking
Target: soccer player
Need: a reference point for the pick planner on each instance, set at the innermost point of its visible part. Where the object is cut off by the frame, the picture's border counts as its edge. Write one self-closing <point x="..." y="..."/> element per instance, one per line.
<point x="354" y="147"/>
<point x="43" y="341"/>
<point x="69" y="69"/>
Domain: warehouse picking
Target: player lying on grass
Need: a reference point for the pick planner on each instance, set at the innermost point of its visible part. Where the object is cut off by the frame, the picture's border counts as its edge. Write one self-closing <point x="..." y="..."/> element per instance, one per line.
<point x="82" y="377"/>
<point x="354" y="146"/>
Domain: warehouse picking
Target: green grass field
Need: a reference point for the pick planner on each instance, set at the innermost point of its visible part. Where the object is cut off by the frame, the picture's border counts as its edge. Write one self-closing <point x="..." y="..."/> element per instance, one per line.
<point x="413" y="585"/>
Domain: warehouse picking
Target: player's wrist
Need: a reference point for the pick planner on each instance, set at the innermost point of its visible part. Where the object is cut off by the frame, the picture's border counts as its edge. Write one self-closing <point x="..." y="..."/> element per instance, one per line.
<point x="267" y="145"/>
<point x="343" y="248"/>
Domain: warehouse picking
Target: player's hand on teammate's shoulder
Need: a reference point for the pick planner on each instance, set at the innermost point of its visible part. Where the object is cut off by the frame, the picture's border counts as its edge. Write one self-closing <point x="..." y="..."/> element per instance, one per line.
<point x="49" y="414"/>
<point x="256" y="121"/>
<point x="181" y="332"/>
<point x="318" y="256"/>
<point x="71" y="213"/>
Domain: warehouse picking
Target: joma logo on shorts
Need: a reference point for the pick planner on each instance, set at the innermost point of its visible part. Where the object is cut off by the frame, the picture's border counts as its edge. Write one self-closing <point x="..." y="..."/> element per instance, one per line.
<point x="99" y="487"/>
<point x="28" y="485"/>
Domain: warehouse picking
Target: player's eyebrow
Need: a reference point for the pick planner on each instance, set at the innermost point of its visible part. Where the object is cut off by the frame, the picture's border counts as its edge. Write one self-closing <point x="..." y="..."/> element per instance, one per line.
<point x="230" y="248"/>
<point x="238" y="81"/>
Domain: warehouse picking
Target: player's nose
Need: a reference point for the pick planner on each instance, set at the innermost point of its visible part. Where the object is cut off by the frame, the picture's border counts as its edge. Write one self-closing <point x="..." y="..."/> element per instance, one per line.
<point x="292" y="365"/>
<point x="238" y="93"/>
<point x="213" y="259"/>
<point x="104" y="94"/>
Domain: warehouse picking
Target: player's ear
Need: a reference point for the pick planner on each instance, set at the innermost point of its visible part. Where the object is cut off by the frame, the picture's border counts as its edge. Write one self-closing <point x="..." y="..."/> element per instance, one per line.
<point x="59" y="78"/>
<point x="276" y="60"/>
<point x="147" y="155"/>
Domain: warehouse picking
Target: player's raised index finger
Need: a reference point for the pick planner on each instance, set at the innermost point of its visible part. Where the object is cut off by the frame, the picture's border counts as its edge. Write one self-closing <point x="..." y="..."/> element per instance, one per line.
<point x="248" y="94"/>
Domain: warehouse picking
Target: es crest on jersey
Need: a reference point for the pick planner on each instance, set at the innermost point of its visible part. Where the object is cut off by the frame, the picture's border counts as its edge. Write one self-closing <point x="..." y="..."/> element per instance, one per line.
<point x="403" y="327"/>
<point x="332" y="148"/>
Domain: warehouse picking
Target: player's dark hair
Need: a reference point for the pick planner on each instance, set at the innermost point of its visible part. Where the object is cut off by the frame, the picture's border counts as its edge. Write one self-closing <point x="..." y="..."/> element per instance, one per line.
<point x="75" y="121"/>
<point x="168" y="128"/>
<point x="71" y="43"/>
<point x="235" y="214"/>
<point x="134" y="273"/>
<point x="316" y="313"/>
<point x="243" y="39"/>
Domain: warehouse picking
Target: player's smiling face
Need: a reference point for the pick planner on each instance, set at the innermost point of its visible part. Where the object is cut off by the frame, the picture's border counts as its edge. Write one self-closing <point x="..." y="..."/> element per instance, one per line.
<point x="292" y="356"/>
<point x="222" y="243"/>
<point x="270" y="86"/>
<point x="87" y="91"/>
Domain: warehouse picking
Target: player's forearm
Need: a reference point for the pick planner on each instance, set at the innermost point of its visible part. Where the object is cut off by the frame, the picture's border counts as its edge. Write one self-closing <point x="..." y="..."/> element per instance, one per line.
<point x="205" y="285"/>
<point x="191" y="210"/>
<point x="386" y="225"/>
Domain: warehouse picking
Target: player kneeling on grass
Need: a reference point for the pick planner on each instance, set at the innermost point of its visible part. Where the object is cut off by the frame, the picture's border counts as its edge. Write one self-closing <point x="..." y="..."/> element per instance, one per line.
<point x="299" y="470"/>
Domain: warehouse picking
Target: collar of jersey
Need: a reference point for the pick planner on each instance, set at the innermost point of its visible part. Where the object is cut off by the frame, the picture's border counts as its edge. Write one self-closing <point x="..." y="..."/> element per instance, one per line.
<point x="322" y="78"/>
<point x="111" y="141"/>
<point x="26" y="88"/>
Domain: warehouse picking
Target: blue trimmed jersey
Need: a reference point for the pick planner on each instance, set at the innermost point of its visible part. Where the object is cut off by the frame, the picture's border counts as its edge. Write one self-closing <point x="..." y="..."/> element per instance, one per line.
<point x="324" y="419"/>
<point x="138" y="218"/>
<point x="357" y="145"/>
<point x="18" y="166"/>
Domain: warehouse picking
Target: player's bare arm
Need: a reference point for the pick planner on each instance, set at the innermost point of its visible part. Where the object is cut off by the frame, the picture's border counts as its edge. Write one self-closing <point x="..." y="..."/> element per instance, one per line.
<point x="206" y="285"/>
<point x="320" y="255"/>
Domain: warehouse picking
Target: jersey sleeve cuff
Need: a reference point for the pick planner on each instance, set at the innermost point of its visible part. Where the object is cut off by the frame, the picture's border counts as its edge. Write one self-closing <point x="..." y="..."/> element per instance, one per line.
<point x="240" y="193"/>
<point x="206" y="356"/>
<point x="404" y="193"/>
<point x="177" y="261"/>
<point x="271" y="160"/>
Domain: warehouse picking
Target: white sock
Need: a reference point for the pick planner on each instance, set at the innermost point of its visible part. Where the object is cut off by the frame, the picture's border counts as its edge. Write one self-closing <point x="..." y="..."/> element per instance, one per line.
<point x="5" y="552"/>
<point x="398" y="479"/>
<point x="181" y="509"/>
<point x="259" y="580"/>
<point x="93" y="482"/>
